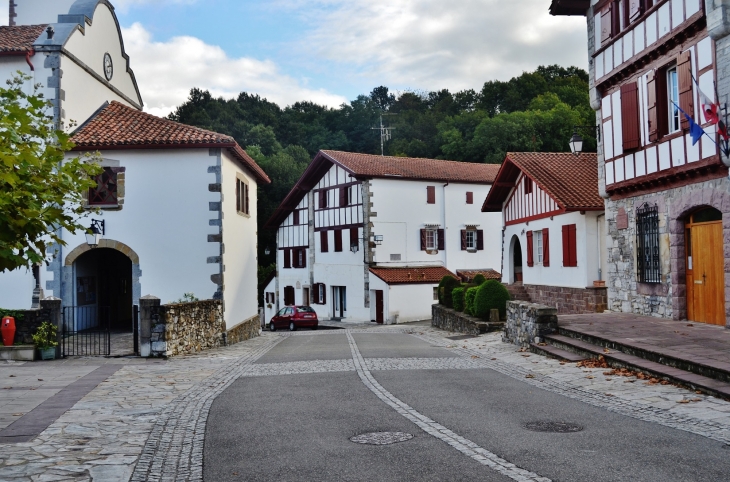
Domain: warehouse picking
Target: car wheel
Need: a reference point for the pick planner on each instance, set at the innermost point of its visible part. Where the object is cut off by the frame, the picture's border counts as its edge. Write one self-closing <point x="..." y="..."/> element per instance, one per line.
<point x="271" y="326"/>
<point x="314" y="327"/>
<point x="292" y="326"/>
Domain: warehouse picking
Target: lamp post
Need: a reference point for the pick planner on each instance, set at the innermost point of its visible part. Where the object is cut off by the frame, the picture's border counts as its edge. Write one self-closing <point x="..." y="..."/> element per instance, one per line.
<point x="95" y="233"/>
<point x="576" y="142"/>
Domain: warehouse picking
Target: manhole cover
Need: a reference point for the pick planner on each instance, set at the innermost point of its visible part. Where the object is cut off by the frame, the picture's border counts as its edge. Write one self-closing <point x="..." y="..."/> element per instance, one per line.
<point x="381" y="438"/>
<point x="554" y="427"/>
<point x="460" y="337"/>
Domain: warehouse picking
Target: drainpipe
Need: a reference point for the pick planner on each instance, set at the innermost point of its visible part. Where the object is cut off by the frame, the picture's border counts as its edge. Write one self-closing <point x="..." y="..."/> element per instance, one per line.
<point x="446" y="264"/>
<point x="600" y="254"/>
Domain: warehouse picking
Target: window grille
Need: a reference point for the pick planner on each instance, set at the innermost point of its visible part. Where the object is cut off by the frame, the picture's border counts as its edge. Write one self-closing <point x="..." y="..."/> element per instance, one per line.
<point x="105" y="192"/>
<point x="647" y="243"/>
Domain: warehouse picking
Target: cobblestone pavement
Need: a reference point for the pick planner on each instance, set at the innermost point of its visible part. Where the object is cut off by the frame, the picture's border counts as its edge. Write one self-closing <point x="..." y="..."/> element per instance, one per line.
<point x="147" y="421"/>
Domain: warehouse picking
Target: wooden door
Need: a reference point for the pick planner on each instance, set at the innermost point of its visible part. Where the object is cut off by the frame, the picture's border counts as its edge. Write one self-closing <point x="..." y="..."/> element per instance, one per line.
<point x="379" y="315"/>
<point x="705" y="273"/>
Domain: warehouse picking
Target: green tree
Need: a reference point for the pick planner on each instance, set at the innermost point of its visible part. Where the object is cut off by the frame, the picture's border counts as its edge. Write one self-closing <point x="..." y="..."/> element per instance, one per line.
<point x="40" y="191"/>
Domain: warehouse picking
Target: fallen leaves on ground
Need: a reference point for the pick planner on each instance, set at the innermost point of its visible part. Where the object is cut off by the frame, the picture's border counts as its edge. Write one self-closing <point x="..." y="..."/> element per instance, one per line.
<point x="695" y="400"/>
<point x="474" y="356"/>
<point x="606" y="350"/>
<point x="18" y="414"/>
<point x="493" y="358"/>
<point x="529" y="375"/>
<point x="690" y="324"/>
<point x="563" y="362"/>
<point x="593" y="363"/>
<point x="40" y="379"/>
<point x="542" y="344"/>
<point x="525" y="356"/>
<point x="591" y="377"/>
<point x="11" y="376"/>
<point x="683" y="401"/>
<point x="609" y="394"/>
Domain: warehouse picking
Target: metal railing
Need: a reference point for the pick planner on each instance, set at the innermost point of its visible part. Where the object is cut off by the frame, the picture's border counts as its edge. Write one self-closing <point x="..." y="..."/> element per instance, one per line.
<point x="85" y="331"/>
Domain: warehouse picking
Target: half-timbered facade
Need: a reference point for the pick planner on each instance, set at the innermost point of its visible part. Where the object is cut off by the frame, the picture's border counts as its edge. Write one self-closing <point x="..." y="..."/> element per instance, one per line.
<point x="553" y="223"/>
<point x="667" y="191"/>
<point x="353" y="212"/>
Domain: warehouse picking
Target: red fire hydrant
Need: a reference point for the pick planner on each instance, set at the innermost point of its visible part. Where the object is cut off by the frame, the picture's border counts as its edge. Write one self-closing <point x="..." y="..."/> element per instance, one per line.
<point x="8" y="330"/>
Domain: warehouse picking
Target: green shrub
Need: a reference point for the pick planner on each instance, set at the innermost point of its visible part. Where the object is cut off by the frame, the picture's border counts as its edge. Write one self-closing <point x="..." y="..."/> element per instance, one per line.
<point x="479" y="279"/>
<point x="491" y="295"/>
<point x="447" y="284"/>
<point x="471" y="293"/>
<point x="45" y="336"/>
<point x="457" y="297"/>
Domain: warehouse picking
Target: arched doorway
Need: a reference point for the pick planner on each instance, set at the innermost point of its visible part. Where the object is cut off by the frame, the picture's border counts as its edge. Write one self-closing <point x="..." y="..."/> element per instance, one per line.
<point x="516" y="260"/>
<point x="103" y="278"/>
<point x="705" y="263"/>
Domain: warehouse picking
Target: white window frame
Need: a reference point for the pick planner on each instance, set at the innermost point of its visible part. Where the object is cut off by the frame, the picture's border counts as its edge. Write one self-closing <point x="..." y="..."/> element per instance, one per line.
<point x="537" y="242"/>
<point x="320" y="294"/>
<point x="675" y="120"/>
<point x="471" y="240"/>
<point x="432" y="239"/>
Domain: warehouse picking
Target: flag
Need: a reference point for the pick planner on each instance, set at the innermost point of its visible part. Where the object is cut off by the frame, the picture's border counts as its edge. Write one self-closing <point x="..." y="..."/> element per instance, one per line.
<point x="722" y="130"/>
<point x="695" y="131"/>
<point x="709" y="108"/>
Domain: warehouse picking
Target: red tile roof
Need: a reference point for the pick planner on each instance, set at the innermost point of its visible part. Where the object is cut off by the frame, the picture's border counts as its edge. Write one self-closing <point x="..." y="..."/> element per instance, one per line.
<point x="409" y="275"/>
<point x="117" y="126"/>
<point x="467" y="275"/>
<point x="571" y="180"/>
<point x="368" y="165"/>
<point x="19" y="39"/>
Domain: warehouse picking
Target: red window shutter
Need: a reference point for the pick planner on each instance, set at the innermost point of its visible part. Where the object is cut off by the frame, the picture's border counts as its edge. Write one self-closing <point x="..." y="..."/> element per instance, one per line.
<point x="528" y="185"/>
<point x="287" y="258"/>
<point x="545" y="247"/>
<point x="423" y="240"/>
<point x="353" y="237"/>
<point x="630" y="115"/>
<point x="566" y="246"/>
<point x="651" y="87"/>
<point x="686" y="94"/>
<point x="606" y="24"/>
<point x="322" y="199"/>
<point x="480" y="240"/>
<point x="573" y="248"/>
<point x="296" y="216"/>
<point x="324" y="293"/>
<point x="463" y="239"/>
<point x="442" y="239"/>
<point x="324" y="241"/>
<point x="431" y="194"/>
<point x="343" y="196"/>
<point x="338" y="240"/>
<point x="530" y="260"/>
<point x="470" y="197"/>
<point x="303" y="253"/>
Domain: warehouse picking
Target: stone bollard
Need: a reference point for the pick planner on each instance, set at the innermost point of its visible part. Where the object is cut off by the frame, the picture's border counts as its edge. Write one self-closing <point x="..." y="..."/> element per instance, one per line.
<point x="149" y="314"/>
<point x="494" y="316"/>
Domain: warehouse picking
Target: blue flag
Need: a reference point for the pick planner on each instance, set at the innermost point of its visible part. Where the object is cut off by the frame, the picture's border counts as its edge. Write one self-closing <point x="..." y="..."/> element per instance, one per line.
<point x="695" y="131"/>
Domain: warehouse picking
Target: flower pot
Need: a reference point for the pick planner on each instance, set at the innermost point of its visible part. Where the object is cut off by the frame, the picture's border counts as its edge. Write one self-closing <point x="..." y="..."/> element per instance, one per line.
<point x="48" y="353"/>
<point x="599" y="284"/>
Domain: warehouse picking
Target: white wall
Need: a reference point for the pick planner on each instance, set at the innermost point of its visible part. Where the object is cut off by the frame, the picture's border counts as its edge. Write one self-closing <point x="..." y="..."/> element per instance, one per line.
<point x="35" y="12"/>
<point x="587" y="246"/>
<point x="270" y="311"/>
<point x="240" y="235"/>
<point x="16" y="289"/>
<point x="164" y="219"/>
<point x="10" y="65"/>
<point x="410" y="302"/>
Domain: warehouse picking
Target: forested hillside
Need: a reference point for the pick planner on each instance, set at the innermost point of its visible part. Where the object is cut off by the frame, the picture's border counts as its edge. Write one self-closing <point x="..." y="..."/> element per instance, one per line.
<point x="533" y="112"/>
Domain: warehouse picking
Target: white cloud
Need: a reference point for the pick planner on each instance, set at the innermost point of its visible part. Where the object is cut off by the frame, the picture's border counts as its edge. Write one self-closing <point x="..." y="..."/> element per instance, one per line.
<point x="166" y="71"/>
<point x="430" y="44"/>
<point x="123" y="5"/>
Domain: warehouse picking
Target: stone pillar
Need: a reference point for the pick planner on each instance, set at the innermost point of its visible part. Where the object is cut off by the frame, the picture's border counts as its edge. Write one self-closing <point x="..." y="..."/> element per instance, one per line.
<point x="149" y="314"/>
<point x="53" y="307"/>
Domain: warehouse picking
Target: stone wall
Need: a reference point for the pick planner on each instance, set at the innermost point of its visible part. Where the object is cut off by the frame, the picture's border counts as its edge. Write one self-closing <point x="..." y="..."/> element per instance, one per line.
<point x="667" y="299"/>
<point x="569" y="300"/>
<point x="528" y="323"/>
<point x="452" y="320"/>
<point x="26" y="325"/>
<point x="246" y="330"/>
<point x="184" y="328"/>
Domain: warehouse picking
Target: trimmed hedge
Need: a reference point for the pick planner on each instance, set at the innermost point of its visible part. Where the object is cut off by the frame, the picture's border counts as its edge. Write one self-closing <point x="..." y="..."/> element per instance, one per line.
<point x="447" y="284"/>
<point x="471" y="293"/>
<point x="479" y="279"/>
<point x="491" y="295"/>
<point x="457" y="297"/>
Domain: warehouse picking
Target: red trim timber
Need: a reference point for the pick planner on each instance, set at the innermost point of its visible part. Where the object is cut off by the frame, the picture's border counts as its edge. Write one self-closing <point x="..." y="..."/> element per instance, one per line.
<point x="540" y="216"/>
<point x="530" y="258"/>
<point x="546" y="247"/>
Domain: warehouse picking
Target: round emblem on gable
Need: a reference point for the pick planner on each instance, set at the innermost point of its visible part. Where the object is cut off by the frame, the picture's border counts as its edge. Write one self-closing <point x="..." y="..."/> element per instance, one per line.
<point x="108" y="66"/>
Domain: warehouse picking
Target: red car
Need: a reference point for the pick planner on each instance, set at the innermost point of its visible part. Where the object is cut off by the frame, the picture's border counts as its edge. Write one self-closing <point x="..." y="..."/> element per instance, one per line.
<point x="294" y="317"/>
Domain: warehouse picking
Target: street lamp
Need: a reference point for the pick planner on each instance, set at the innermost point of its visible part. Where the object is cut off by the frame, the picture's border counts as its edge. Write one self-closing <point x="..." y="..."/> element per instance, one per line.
<point x="95" y="232"/>
<point x="267" y="251"/>
<point x="576" y="142"/>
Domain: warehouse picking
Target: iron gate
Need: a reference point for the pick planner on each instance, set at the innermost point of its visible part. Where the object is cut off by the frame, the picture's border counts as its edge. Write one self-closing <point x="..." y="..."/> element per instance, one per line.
<point x="85" y="331"/>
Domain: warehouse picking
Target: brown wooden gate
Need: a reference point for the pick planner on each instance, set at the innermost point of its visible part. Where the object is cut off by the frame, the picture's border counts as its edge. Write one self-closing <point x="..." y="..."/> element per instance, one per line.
<point x="379" y="316"/>
<point x="705" y="270"/>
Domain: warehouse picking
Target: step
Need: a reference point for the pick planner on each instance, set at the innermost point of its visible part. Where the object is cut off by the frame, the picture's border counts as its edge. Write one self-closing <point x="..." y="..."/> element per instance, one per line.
<point x="554" y="352"/>
<point x="619" y="359"/>
<point x="653" y="353"/>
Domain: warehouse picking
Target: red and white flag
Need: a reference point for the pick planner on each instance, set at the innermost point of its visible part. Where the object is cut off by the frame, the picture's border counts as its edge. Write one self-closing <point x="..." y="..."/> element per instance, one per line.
<point x="709" y="109"/>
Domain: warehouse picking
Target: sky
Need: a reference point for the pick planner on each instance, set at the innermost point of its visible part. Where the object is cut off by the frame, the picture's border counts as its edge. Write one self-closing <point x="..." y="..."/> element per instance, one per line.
<point x="331" y="51"/>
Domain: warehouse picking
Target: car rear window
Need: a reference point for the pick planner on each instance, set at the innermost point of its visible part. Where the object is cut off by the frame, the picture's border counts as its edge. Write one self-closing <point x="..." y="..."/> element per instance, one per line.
<point x="305" y="309"/>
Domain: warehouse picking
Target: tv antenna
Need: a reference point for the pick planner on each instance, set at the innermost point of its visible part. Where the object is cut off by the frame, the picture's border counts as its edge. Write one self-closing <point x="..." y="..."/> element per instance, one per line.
<point x="385" y="133"/>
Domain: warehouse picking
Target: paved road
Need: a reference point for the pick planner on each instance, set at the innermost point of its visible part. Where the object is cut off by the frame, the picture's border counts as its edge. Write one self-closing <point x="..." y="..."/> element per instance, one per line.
<point x="289" y="417"/>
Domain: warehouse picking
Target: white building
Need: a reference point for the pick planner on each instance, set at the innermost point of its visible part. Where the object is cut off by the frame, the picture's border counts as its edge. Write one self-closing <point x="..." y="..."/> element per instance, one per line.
<point x="554" y="228"/>
<point x="178" y="203"/>
<point x="366" y="237"/>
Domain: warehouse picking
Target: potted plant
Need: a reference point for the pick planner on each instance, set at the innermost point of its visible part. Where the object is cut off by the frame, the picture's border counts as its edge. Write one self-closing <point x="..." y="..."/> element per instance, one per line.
<point x="45" y="340"/>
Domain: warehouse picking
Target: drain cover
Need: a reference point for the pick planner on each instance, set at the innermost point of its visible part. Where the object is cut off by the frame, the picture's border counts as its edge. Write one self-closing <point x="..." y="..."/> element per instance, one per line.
<point x="554" y="427"/>
<point x="460" y="337"/>
<point x="381" y="438"/>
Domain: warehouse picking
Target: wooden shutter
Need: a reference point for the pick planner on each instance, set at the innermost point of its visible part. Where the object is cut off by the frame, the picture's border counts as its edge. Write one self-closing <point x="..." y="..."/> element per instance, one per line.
<point x="238" y="195"/>
<point x="530" y="260"/>
<point x="288" y="295"/>
<point x="480" y="240"/>
<point x="545" y="247"/>
<point x="606" y="24"/>
<point x="303" y="253"/>
<point x="338" y="240"/>
<point x="470" y="197"/>
<point x="324" y="241"/>
<point x="566" y="246"/>
<point x="423" y="240"/>
<point x="245" y="187"/>
<point x="353" y="236"/>
<point x="296" y="216"/>
<point x="287" y="258"/>
<point x="431" y="194"/>
<point x="573" y="247"/>
<point x="635" y="9"/>
<point x="322" y="199"/>
<point x="651" y="87"/>
<point x="324" y="293"/>
<point x="463" y="239"/>
<point x="686" y="95"/>
<point x="442" y="240"/>
<point x="630" y="115"/>
<point x="343" y="197"/>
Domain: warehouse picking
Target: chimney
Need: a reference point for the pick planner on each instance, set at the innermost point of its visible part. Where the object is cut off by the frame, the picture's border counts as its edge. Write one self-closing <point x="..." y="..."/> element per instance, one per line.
<point x="12" y="14"/>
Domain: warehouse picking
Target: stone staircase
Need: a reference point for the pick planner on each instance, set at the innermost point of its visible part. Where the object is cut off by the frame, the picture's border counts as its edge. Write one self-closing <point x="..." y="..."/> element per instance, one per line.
<point x="698" y="374"/>
<point x="517" y="292"/>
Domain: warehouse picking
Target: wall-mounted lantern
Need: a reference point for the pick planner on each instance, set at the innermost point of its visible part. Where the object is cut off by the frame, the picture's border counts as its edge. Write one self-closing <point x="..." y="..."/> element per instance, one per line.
<point x="576" y="142"/>
<point x="95" y="233"/>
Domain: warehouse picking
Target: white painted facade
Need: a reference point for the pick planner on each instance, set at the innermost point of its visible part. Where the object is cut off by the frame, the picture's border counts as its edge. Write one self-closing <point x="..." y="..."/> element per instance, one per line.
<point x="397" y="210"/>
